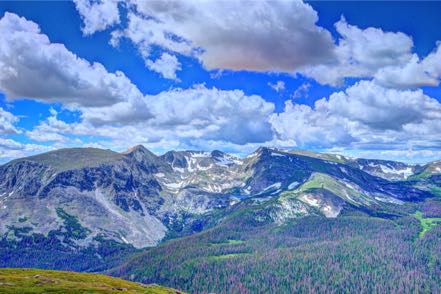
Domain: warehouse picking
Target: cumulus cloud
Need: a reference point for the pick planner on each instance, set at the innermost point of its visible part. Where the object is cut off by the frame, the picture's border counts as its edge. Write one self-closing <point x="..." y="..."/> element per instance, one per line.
<point x="366" y="116"/>
<point x="110" y="104"/>
<point x="265" y="36"/>
<point x="167" y="65"/>
<point x="381" y="108"/>
<point x="213" y="114"/>
<point x="236" y="35"/>
<point x="415" y="73"/>
<point x="192" y="114"/>
<point x="11" y="149"/>
<point x="432" y="63"/>
<point x="97" y="15"/>
<point x="33" y="67"/>
<point x="50" y="130"/>
<point x="148" y="32"/>
<point x="383" y="113"/>
<point x="306" y="126"/>
<point x="7" y="121"/>
<point x="361" y="53"/>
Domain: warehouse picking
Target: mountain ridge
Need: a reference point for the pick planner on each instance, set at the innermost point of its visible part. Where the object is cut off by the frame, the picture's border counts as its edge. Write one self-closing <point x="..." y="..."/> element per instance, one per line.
<point x="302" y="152"/>
<point x="81" y="198"/>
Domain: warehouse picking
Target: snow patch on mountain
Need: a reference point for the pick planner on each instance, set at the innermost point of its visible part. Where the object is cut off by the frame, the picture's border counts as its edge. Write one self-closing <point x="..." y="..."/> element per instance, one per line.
<point x="293" y="185"/>
<point x="405" y="172"/>
<point x="277" y="154"/>
<point x="273" y="186"/>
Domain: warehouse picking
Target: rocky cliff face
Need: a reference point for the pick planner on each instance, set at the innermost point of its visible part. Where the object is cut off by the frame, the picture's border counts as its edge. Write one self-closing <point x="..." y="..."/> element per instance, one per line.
<point x="115" y="197"/>
<point x="83" y="195"/>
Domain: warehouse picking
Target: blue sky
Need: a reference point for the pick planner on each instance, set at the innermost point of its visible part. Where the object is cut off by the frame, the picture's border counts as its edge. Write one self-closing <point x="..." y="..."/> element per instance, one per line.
<point x="356" y="78"/>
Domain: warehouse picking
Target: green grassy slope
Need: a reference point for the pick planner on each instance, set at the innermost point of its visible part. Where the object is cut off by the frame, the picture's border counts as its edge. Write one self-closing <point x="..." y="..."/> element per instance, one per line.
<point x="73" y="158"/>
<point x="427" y="223"/>
<point x="25" y="281"/>
<point x="348" y="192"/>
<point x="324" y="181"/>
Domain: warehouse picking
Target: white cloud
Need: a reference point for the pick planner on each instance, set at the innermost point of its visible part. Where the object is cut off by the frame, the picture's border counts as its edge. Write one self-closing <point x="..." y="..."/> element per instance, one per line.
<point x="278" y="86"/>
<point x="301" y="91"/>
<point x="361" y="53"/>
<point x="213" y="114"/>
<point x="178" y="115"/>
<point x="134" y="110"/>
<point x="147" y="32"/>
<point x="381" y="108"/>
<point x="415" y="73"/>
<point x="364" y="116"/>
<point x="432" y="63"/>
<point x="410" y="75"/>
<point x="50" y="130"/>
<point x="110" y="105"/>
<point x="308" y="127"/>
<point x="166" y="65"/>
<point x="11" y="149"/>
<point x="97" y="15"/>
<point x="237" y="35"/>
<point x="370" y="115"/>
<point x="7" y="121"/>
<point x="33" y="67"/>
<point x="266" y="36"/>
<point x="38" y="135"/>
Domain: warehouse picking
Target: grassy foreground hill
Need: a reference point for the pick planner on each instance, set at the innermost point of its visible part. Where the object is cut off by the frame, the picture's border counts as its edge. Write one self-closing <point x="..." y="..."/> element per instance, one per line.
<point x="25" y="281"/>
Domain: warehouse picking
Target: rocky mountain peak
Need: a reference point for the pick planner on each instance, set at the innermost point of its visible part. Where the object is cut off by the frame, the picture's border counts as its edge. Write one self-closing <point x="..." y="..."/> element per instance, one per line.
<point x="137" y="149"/>
<point x="217" y="153"/>
<point x="141" y="153"/>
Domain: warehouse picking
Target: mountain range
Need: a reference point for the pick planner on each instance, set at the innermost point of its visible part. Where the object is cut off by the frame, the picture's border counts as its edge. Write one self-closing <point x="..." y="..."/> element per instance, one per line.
<point x="91" y="209"/>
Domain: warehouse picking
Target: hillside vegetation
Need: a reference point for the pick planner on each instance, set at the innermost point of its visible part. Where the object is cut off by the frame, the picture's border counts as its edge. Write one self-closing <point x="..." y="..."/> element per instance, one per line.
<point x="247" y="253"/>
<point x="25" y="281"/>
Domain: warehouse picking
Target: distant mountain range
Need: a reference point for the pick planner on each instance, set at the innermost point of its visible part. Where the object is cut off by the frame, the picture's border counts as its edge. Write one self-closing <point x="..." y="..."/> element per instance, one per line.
<point x="88" y="209"/>
<point x="138" y="198"/>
